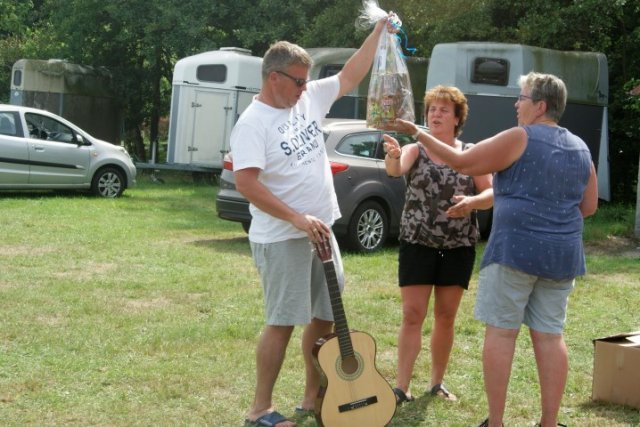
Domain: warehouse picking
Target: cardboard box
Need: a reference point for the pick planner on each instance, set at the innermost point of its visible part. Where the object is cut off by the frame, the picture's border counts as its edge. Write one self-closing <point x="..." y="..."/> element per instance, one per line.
<point x="616" y="369"/>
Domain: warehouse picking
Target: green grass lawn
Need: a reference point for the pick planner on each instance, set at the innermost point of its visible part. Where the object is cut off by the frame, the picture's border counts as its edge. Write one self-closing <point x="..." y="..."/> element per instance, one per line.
<point x="145" y="311"/>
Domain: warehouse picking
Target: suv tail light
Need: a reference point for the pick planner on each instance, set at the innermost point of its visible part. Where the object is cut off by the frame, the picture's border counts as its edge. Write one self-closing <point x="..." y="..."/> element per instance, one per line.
<point x="338" y="167"/>
<point x="227" y="162"/>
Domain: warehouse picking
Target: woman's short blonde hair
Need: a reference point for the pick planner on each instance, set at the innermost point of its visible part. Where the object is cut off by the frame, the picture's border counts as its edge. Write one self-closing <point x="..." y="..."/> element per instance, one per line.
<point x="548" y="88"/>
<point x="453" y="94"/>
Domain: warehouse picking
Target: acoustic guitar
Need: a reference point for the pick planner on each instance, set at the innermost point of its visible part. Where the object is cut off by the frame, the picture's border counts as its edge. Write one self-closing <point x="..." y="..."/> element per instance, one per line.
<point x="352" y="391"/>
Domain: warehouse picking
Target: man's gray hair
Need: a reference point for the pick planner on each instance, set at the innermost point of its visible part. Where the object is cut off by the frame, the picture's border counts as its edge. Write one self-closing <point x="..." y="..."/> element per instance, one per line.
<point x="283" y="54"/>
<point x="547" y="88"/>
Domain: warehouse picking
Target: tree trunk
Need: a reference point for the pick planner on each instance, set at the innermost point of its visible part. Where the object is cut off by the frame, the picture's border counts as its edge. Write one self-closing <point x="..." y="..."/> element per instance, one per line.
<point x="133" y="139"/>
<point x="155" y="105"/>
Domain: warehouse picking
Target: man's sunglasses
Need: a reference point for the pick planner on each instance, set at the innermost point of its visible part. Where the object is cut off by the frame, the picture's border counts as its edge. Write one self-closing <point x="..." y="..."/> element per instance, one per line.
<point x="298" y="82"/>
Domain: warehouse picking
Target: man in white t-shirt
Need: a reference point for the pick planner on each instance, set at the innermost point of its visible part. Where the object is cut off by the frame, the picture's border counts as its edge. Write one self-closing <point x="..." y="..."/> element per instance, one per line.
<point x="281" y="167"/>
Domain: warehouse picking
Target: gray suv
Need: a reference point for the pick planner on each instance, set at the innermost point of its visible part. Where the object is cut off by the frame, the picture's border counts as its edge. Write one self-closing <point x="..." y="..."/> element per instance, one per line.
<point x="40" y="150"/>
<point x="370" y="201"/>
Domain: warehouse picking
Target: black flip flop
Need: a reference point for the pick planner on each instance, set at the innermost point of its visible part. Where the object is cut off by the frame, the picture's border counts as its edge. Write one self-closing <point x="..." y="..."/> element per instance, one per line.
<point x="441" y="390"/>
<point x="402" y="397"/>
<point x="267" y="420"/>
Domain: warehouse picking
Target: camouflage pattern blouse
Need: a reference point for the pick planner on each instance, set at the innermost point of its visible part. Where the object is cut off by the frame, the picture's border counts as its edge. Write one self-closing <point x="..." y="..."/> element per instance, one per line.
<point x="430" y="188"/>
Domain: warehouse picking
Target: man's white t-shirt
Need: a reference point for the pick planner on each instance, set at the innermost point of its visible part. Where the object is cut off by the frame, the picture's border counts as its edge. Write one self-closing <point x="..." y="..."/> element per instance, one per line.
<point x="287" y="145"/>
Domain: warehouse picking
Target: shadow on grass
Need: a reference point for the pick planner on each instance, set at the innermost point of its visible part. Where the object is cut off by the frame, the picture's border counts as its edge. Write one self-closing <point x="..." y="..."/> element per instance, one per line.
<point x="238" y="245"/>
<point x="44" y="194"/>
<point x="625" y="415"/>
<point x="412" y="413"/>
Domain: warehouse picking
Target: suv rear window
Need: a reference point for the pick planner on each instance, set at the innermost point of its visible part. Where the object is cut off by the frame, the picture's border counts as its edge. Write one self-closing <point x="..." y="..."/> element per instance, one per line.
<point x="360" y="144"/>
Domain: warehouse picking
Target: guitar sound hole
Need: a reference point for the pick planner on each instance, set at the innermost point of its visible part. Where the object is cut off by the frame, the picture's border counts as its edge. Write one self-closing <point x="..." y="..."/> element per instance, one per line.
<point x="350" y="365"/>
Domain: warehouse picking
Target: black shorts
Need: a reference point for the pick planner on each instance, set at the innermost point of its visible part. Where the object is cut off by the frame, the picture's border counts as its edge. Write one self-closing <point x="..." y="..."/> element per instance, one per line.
<point x="422" y="265"/>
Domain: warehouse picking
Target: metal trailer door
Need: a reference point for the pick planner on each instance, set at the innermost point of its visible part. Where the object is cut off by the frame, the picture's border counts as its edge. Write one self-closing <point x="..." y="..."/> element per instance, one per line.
<point x="209" y="131"/>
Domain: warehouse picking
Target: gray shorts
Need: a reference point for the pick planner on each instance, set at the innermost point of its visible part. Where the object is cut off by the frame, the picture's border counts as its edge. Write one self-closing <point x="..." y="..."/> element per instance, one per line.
<point x="293" y="281"/>
<point x="508" y="298"/>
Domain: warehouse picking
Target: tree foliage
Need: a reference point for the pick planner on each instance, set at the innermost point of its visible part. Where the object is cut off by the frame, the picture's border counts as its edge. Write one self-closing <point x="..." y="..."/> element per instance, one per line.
<point x="140" y="41"/>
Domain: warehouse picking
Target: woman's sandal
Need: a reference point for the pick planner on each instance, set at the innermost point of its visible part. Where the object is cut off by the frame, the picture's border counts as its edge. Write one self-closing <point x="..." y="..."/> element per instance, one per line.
<point x="559" y="425"/>
<point x="441" y="391"/>
<point x="485" y="423"/>
<point x="402" y="397"/>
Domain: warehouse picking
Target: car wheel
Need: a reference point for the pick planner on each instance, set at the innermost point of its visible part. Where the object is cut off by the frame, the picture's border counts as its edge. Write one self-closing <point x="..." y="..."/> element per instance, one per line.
<point x="108" y="182"/>
<point x="368" y="227"/>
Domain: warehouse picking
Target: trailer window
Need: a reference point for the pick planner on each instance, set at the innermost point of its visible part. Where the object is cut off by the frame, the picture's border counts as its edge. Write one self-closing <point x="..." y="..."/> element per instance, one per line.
<point x="216" y="73"/>
<point x="491" y="71"/>
<point x="17" y="77"/>
<point x="330" y="70"/>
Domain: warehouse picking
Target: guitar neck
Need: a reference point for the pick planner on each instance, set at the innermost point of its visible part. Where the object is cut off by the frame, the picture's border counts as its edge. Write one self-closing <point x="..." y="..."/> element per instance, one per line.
<point x="339" y="317"/>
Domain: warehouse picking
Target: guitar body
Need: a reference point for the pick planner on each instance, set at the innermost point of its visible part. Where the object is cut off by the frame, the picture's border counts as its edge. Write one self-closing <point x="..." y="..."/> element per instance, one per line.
<point x="353" y="392"/>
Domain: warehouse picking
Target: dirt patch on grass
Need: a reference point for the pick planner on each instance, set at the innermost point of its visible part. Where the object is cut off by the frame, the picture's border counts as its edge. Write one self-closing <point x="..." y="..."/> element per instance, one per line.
<point x="145" y="304"/>
<point x="18" y="250"/>
<point x="614" y="245"/>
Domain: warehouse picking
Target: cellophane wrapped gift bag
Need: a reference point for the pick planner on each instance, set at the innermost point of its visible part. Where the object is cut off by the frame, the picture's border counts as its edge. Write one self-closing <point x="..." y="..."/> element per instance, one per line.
<point x="390" y="94"/>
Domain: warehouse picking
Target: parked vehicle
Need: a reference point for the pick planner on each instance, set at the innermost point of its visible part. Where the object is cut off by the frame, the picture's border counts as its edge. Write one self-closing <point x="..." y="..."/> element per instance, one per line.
<point x="40" y="150"/>
<point x="209" y="92"/>
<point x="370" y="201"/>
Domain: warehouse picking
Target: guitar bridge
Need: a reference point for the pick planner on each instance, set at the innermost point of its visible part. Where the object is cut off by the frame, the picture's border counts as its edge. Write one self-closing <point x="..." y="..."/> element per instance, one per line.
<point x="361" y="403"/>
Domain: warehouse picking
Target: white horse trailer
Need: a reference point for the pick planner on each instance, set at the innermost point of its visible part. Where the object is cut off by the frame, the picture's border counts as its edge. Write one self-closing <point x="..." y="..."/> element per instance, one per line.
<point x="488" y="73"/>
<point x="209" y="92"/>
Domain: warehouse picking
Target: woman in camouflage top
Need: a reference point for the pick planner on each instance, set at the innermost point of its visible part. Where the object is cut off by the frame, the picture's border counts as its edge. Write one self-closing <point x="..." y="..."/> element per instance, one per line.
<point x="437" y="237"/>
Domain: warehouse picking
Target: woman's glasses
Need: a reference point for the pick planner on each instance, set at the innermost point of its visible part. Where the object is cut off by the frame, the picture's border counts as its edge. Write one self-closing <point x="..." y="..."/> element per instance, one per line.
<point x="298" y="82"/>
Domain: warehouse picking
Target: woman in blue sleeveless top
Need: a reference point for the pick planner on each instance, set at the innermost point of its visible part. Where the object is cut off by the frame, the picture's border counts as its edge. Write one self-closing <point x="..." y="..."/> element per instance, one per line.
<point x="544" y="185"/>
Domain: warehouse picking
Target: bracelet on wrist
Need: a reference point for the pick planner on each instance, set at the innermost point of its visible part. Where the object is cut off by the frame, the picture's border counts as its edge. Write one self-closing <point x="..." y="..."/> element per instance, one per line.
<point x="394" y="158"/>
<point x="415" y="135"/>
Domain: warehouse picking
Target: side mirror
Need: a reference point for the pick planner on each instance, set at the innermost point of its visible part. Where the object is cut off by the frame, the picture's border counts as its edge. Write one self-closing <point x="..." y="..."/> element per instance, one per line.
<point x="79" y="139"/>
